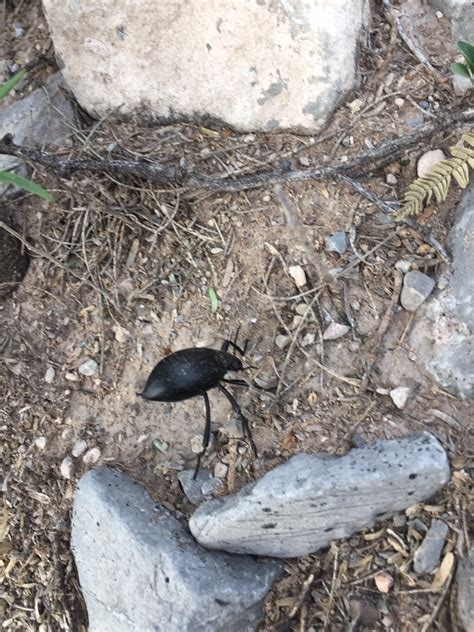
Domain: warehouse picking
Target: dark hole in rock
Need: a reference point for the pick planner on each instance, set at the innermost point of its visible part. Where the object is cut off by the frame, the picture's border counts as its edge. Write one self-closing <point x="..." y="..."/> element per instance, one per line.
<point x="14" y="263"/>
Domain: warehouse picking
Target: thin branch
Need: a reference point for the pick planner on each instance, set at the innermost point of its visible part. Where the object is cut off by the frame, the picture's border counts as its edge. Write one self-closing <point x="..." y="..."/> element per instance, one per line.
<point x="182" y="175"/>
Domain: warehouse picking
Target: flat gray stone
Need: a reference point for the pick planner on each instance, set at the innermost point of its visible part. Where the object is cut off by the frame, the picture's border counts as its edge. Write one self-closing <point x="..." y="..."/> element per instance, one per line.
<point x="196" y="490"/>
<point x="299" y="507"/>
<point x="40" y="119"/>
<point x="443" y="333"/>
<point x="417" y="286"/>
<point x="465" y="582"/>
<point x="428" y="554"/>
<point x="140" y="569"/>
<point x="337" y="242"/>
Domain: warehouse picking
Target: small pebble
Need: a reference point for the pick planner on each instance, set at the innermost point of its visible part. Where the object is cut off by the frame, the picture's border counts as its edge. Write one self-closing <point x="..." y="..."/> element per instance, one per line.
<point x="304" y="161"/>
<point x="428" y="554"/>
<point x="337" y="242"/>
<point x="193" y="488"/>
<point x="49" y="375"/>
<point x="400" y="396"/>
<point x="91" y="456"/>
<point x="67" y="467"/>
<point x="298" y="275"/>
<point x="383" y="581"/>
<point x="220" y="470"/>
<point x="40" y="443"/>
<point x="403" y="265"/>
<point x="67" y="434"/>
<point x="335" y="330"/>
<point x="71" y="377"/>
<point x="428" y="160"/>
<point x="391" y="179"/>
<point x="79" y="448"/>
<point x="301" y="309"/>
<point x="196" y="444"/>
<point x="89" y="367"/>
<point x="417" y="286"/>
<point x="308" y="339"/>
<point x="399" y="102"/>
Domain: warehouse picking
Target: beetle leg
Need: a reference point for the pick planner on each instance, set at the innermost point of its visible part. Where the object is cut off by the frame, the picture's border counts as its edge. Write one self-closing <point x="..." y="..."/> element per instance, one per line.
<point x="236" y="382"/>
<point x="206" y="436"/>
<point x="244" y="420"/>
<point x="229" y="343"/>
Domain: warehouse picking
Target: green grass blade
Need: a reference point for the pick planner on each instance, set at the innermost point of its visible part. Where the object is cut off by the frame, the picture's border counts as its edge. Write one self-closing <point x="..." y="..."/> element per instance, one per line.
<point x="460" y="69"/>
<point x="213" y="298"/>
<point x="8" y="86"/>
<point x="24" y="183"/>
<point x="468" y="51"/>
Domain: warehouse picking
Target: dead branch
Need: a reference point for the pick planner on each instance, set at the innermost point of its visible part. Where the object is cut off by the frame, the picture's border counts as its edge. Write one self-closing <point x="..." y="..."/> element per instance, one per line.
<point x="182" y="175"/>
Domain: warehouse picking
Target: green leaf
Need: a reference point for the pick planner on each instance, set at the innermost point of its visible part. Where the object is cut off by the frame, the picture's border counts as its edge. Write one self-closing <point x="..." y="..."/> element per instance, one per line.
<point x="213" y="298"/>
<point x="468" y="52"/>
<point x="24" y="183"/>
<point x="460" y="69"/>
<point x="8" y="86"/>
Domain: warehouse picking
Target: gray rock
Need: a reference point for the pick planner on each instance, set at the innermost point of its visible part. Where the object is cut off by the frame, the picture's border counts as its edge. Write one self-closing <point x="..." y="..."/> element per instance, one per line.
<point x="417" y="286"/>
<point x="443" y="333"/>
<point x="337" y="242"/>
<point x="140" y="569"/>
<point x="42" y="118"/>
<point x="229" y="60"/>
<point x="465" y="582"/>
<point x="299" y="507"/>
<point x="204" y="485"/>
<point x="427" y="555"/>
<point x="89" y="367"/>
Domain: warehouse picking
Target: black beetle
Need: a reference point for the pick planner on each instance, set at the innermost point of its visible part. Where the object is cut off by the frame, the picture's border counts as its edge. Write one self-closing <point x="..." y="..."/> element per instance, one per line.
<point x="190" y="372"/>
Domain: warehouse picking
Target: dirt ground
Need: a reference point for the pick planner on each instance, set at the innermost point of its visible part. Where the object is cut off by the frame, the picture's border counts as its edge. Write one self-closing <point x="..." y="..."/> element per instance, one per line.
<point x="127" y="280"/>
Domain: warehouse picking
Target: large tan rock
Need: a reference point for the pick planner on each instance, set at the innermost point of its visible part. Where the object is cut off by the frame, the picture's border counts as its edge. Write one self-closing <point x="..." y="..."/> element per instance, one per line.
<point x="255" y="65"/>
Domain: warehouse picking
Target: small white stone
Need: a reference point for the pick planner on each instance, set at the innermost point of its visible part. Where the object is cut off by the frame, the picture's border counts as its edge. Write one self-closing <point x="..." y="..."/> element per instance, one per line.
<point x="89" y="367"/>
<point x="49" y="375"/>
<point x="196" y="444"/>
<point x="428" y="160"/>
<point x="40" y="443"/>
<point x="79" y="448"/>
<point x="403" y="265"/>
<point x="391" y="179"/>
<point x="67" y="467"/>
<point x="71" y="377"/>
<point x="399" y="102"/>
<point x="308" y="339"/>
<point x="335" y="330"/>
<point x="298" y="275"/>
<point x="282" y="341"/>
<point x="301" y="309"/>
<point x="400" y="396"/>
<point x="220" y="470"/>
<point x="91" y="456"/>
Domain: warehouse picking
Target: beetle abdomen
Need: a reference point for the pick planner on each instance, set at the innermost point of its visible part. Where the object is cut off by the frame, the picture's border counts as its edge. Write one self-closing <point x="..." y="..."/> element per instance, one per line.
<point x="187" y="373"/>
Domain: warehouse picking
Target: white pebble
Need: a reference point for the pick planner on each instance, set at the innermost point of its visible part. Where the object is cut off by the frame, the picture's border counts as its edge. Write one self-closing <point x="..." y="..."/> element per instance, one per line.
<point x="67" y="467"/>
<point x="391" y="179"/>
<point x="79" y="448"/>
<point x="40" y="443"/>
<point x="403" y="265"/>
<point x="89" y="367"/>
<point x="282" y="341"/>
<point x="298" y="275"/>
<point x="91" y="456"/>
<point x="49" y="375"/>
<point x="335" y="330"/>
<point x="400" y="396"/>
<point x="220" y="470"/>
